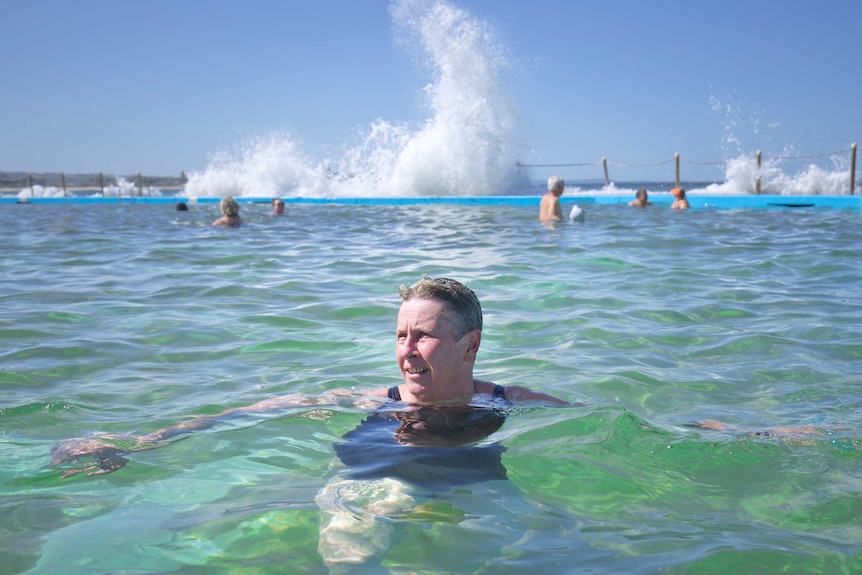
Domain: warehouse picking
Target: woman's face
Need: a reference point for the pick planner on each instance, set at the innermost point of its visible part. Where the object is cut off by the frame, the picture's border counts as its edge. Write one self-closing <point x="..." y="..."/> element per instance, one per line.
<point x="435" y="367"/>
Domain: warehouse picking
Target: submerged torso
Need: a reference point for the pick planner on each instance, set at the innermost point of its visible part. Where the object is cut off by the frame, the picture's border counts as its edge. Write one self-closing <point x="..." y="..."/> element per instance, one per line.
<point x="437" y="448"/>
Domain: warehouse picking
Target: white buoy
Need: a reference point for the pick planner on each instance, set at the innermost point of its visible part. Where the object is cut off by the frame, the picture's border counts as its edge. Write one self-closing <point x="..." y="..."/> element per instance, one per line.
<point x="577" y="214"/>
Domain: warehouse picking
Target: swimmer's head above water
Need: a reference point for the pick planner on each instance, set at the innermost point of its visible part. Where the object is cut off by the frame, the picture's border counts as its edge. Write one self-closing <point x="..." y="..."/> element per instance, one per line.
<point x="438" y="335"/>
<point x="556" y="184"/>
<point x="464" y="308"/>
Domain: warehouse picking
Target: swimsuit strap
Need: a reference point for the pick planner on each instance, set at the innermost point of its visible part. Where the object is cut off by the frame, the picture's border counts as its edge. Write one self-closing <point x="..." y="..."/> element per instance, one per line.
<point x="393" y="393"/>
<point x="498" y="393"/>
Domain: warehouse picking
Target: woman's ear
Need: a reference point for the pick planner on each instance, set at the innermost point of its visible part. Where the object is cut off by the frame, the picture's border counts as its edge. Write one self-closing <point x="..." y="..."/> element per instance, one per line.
<point x="474" y="339"/>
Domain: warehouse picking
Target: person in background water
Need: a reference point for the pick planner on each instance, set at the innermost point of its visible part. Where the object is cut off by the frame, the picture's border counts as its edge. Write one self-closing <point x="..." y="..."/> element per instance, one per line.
<point x="641" y="199"/>
<point x="182" y="207"/>
<point x="680" y="203"/>
<point x="577" y="214"/>
<point x="550" y="209"/>
<point x="230" y="213"/>
<point x="277" y="207"/>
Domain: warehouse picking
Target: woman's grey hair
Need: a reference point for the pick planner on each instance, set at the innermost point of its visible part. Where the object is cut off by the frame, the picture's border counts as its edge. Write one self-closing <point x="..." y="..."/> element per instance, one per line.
<point x="464" y="307"/>
<point x="228" y="206"/>
<point x="555" y="182"/>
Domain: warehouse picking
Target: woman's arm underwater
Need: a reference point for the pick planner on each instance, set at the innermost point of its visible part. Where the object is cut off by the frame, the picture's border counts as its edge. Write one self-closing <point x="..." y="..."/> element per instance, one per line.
<point x="109" y="450"/>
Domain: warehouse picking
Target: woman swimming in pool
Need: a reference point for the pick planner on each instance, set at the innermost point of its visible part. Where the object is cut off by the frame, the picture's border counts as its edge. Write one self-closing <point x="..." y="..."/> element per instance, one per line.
<point x="426" y="439"/>
<point x="438" y="333"/>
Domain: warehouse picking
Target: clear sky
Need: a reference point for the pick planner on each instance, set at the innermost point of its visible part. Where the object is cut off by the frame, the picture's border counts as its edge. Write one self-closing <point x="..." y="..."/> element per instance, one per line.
<point x="159" y="86"/>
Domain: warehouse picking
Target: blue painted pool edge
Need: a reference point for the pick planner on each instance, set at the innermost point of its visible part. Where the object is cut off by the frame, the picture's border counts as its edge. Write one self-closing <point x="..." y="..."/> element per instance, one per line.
<point x="721" y="202"/>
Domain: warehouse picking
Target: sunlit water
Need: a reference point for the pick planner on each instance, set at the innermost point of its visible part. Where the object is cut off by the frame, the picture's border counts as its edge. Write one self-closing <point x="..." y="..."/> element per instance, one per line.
<point x="130" y="318"/>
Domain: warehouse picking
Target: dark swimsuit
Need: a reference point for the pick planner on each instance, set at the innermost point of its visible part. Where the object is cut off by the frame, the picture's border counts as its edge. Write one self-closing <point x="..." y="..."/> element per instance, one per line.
<point x="437" y="448"/>
<point x="395" y="394"/>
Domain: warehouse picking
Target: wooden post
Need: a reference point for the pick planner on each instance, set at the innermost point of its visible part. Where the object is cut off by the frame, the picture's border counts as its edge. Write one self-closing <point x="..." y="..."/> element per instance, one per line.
<point x="757" y="179"/>
<point x="30" y="181"/>
<point x="607" y="179"/>
<point x="852" y="168"/>
<point x="63" y="181"/>
<point x="676" y="157"/>
<point x="140" y="185"/>
<point x="102" y="183"/>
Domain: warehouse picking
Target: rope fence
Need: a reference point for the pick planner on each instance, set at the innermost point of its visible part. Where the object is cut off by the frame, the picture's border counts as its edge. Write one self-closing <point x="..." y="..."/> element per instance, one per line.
<point x="677" y="159"/>
<point x="14" y="181"/>
<point x="70" y="183"/>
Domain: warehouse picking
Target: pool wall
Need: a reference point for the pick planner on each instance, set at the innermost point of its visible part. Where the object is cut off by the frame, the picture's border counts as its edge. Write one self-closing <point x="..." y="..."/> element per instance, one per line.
<point x="722" y="202"/>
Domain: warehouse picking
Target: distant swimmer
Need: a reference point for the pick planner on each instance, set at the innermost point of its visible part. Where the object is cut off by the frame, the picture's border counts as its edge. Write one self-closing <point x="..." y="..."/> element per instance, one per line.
<point x="182" y="207"/>
<point x="550" y="209"/>
<point x="641" y="199"/>
<point x="277" y="207"/>
<point x="230" y="213"/>
<point x="680" y="203"/>
<point x="577" y="214"/>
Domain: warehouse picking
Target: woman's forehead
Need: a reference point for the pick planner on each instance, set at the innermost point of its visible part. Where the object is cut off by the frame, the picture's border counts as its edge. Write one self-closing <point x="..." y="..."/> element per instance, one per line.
<point x="422" y="311"/>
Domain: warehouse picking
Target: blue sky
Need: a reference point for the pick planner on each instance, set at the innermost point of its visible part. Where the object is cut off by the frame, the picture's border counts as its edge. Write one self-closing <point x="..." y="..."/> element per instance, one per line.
<point x="159" y="86"/>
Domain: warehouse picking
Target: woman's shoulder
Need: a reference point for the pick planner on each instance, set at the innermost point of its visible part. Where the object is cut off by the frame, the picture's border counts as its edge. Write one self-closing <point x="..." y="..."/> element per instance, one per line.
<point x="520" y="393"/>
<point x="382" y="392"/>
<point x="489" y="387"/>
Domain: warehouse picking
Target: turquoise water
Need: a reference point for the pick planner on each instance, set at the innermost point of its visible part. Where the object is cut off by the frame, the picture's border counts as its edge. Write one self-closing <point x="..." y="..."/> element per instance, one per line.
<point x="131" y="318"/>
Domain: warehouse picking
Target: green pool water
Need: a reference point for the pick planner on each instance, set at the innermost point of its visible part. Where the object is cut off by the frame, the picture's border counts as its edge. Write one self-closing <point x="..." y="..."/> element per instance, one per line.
<point x="129" y="318"/>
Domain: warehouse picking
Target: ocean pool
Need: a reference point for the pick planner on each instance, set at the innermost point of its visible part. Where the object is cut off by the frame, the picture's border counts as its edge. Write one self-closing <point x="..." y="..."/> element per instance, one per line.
<point x="125" y="318"/>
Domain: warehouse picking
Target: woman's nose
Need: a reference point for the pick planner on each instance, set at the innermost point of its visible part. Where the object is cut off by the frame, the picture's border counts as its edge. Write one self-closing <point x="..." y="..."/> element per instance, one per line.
<point x="408" y="345"/>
